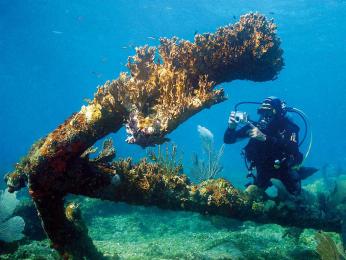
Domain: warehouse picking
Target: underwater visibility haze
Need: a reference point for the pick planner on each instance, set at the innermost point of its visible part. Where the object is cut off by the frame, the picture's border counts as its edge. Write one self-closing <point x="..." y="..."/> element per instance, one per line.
<point x="107" y="141"/>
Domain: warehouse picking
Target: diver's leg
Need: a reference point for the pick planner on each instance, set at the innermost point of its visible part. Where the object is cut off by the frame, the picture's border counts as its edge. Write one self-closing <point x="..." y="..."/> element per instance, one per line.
<point x="291" y="179"/>
<point x="262" y="179"/>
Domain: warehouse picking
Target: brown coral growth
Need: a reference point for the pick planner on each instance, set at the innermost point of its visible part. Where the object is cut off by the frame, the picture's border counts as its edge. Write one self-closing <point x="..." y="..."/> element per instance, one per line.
<point x="160" y="95"/>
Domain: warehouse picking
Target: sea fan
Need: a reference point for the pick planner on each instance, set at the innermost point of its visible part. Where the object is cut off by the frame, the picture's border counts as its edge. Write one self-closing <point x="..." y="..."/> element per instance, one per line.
<point x="327" y="248"/>
<point x="210" y="166"/>
<point x="11" y="228"/>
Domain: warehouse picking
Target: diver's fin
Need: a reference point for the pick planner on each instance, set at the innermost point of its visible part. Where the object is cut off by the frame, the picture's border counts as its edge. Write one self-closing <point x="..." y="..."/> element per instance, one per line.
<point x="305" y="172"/>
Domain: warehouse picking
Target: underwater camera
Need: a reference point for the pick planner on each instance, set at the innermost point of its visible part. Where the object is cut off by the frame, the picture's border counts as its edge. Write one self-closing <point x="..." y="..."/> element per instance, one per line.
<point x="240" y="117"/>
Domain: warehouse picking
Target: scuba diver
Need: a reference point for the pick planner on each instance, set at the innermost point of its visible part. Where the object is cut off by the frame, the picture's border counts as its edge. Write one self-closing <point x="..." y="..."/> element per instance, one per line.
<point x="273" y="148"/>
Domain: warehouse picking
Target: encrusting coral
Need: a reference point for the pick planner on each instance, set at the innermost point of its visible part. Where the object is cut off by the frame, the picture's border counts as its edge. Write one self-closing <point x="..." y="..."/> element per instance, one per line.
<point x="151" y="101"/>
<point x="160" y="95"/>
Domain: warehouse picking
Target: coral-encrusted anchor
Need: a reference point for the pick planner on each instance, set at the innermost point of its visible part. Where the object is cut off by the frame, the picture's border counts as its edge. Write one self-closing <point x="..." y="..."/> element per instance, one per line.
<point x="153" y="100"/>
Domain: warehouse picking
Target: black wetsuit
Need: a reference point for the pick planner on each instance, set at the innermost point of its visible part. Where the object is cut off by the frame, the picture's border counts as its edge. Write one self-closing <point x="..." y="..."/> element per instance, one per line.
<point x="281" y="144"/>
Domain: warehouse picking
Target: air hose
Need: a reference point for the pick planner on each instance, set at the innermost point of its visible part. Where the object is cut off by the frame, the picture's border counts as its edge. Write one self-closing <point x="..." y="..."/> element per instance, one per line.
<point x="305" y="118"/>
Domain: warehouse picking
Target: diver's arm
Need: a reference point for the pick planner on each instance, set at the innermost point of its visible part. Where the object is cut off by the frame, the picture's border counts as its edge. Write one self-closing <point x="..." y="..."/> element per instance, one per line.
<point x="256" y="133"/>
<point x="232" y="134"/>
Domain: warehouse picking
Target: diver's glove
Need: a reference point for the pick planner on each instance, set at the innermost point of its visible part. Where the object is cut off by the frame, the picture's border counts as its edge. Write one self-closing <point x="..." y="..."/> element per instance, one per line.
<point x="232" y="124"/>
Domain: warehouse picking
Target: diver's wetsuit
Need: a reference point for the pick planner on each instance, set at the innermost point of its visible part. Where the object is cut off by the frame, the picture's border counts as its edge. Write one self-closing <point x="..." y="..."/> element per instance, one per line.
<point x="281" y="144"/>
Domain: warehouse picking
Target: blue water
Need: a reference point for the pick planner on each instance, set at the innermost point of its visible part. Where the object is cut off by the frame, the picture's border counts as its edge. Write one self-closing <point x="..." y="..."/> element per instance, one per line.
<point x="53" y="54"/>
